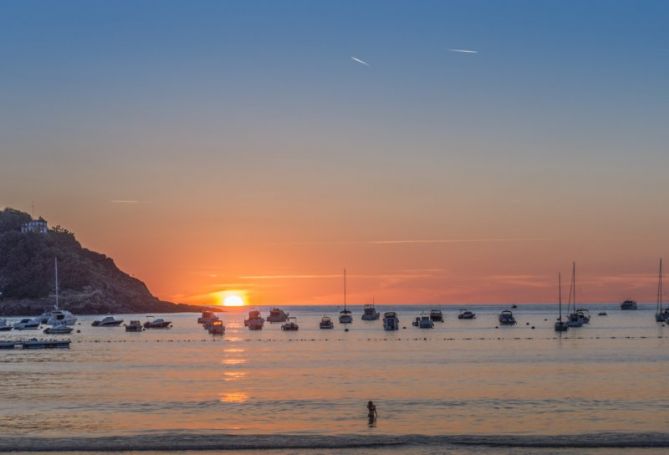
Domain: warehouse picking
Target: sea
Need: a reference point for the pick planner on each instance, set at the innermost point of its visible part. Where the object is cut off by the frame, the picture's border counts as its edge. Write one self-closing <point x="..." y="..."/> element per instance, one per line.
<point x="463" y="387"/>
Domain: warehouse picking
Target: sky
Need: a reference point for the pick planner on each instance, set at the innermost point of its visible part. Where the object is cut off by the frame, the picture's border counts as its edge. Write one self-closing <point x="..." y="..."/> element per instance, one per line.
<point x="445" y="152"/>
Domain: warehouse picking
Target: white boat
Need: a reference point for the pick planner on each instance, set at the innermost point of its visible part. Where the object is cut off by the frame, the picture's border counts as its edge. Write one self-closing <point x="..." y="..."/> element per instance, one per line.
<point x="577" y="317"/>
<point x="506" y="318"/>
<point x="58" y="329"/>
<point x="466" y="314"/>
<point x="255" y="321"/>
<point x="425" y="321"/>
<point x="4" y="326"/>
<point x="27" y="324"/>
<point x="326" y="323"/>
<point x="369" y="312"/>
<point x="107" y="321"/>
<point x="35" y="343"/>
<point x="277" y="315"/>
<point x="57" y="316"/>
<point x="157" y="323"/>
<point x="560" y="325"/>
<point x="345" y="315"/>
<point x="390" y="321"/>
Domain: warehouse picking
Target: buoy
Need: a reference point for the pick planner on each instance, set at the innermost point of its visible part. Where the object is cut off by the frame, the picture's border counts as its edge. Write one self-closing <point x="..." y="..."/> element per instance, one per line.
<point x="532" y="327"/>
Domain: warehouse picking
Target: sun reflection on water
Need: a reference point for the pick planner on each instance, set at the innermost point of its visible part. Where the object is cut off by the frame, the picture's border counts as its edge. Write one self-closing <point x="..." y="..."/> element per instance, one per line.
<point x="234" y="397"/>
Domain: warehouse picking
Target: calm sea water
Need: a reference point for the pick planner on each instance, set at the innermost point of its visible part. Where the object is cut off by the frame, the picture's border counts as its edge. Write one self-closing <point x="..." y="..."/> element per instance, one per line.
<point x="462" y="382"/>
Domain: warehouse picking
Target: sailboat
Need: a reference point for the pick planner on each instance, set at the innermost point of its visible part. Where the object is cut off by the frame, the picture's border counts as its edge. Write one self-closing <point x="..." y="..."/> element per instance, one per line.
<point x="577" y="317"/>
<point x="57" y="316"/>
<point x="662" y="314"/>
<point x="345" y="315"/>
<point x="560" y="325"/>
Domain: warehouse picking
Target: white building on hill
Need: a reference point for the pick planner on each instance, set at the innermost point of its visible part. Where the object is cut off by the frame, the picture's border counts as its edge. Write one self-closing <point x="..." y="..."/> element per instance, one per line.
<point x="35" y="226"/>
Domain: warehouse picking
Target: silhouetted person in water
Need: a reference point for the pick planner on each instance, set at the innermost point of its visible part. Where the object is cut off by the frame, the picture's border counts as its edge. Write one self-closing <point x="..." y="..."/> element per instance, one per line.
<point x="371" y="414"/>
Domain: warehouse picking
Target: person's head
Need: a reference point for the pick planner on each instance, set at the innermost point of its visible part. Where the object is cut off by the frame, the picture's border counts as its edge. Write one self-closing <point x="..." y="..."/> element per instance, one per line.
<point x="370" y="403"/>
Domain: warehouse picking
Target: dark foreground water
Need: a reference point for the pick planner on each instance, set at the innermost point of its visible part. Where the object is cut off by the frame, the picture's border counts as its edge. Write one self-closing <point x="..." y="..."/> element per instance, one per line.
<point x="463" y="387"/>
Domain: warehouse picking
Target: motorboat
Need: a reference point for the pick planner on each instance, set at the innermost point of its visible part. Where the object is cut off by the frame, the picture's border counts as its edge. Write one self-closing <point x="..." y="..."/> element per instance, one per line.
<point x="506" y="318"/>
<point x="466" y="314"/>
<point x="369" y="313"/>
<point x="27" y="324"/>
<point x="255" y="321"/>
<point x="436" y="316"/>
<point x="425" y="321"/>
<point x="560" y="325"/>
<point x="326" y="323"/>
<point x="134" y="326"/>
<point x="602" y="313"/>
<point x="7" y="344"/>
<point x="56" y="315"/>
<point x="58" y="329"/>
<point x="217" y="327"/>
<point x="390" y="321"/>
<point x="277" y="315"/>
<point x="157" y="323"/>
<point x="629" y="305"/>
<point x="107" y="321"/>
<point x="4" y="326"/>
<point x="345" y="315"/>
<point x="206" y="317"/>
<point x="290" y="324"/>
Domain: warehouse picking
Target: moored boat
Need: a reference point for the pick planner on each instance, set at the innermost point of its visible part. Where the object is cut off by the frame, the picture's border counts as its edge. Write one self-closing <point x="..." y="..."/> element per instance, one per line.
<point x="255" y="321"/>
<point x="206" y="316"/>
<point x="390" y="321"/>
<point x="560" y="325"/>
<point x="425" y="321"/>
<point x="217" y="327"/>
<point x="506" y="318"/>
<point x="466" y="314"/>
<point x="277" y="315"/>
<point x="290" y="324"/>
<point x="369" y="313"/>
<point x="27" y="324"/>
<point x="345" y="315"/>
<point x="107" y="321"/>
<point x="436" y="315"/>
<point x="629" y="305"/>
<point x="134" y="326"/>
<point x="58" y="329"/>
<point x="326" y="323"/>
<point x="56" y="315"/>
<point x="157" y="323"/>
<point x="4" y="326"/>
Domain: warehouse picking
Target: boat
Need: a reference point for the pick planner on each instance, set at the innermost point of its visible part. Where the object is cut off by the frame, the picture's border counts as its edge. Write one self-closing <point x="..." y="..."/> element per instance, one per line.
<point x="369" y="313"/>
<point x="629" y="305"/>
<point x="560" y="325"/>
<point x="514" y="306"/>
<point x="326" y="323"/>
<point x="390" y="321"/>
<point x="157" y="323"/>
<point x="134" y="326"/>
<point x="466" y="314"/>
<point x="506" y="318"/>
<point x="56" y="315"/>
<point x="661" y="314"/>
<point x="290" y="324"/>
<point x="580" y="316"/>
<point x="107" y="321"/>
<point x="602" y="313"/>
<point x="345" y="315"/>
<point x="58" y="329"/>
<point x="27" y="324"/>
<point x="4" y="326"/>
<point x="277" y="315"/>
<point x="206" y="316"/>
<point x="7" y="344"/>
<point x="35" y="343"/>
<point x="436" y="316"/>
<point x="255" y="321"/>
<point x="217" y="327"/>
<point x="425" y="321"/>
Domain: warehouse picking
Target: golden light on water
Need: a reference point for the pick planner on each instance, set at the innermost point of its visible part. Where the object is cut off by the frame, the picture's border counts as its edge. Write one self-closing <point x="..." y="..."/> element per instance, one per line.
<point x="234" y="397"/>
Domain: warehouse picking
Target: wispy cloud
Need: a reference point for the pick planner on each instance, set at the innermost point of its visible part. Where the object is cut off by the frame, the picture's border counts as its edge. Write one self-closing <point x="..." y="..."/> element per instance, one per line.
<point x="403" y="275"/>
<point x="362" y="62"/>
<point x="417" y="241"/>
<point x="464" y="51"/>
<point x="128" y="201"/>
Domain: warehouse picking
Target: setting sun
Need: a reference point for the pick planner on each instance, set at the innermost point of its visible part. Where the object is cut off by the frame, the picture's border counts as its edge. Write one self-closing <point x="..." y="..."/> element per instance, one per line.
<point x="232" y="298"/>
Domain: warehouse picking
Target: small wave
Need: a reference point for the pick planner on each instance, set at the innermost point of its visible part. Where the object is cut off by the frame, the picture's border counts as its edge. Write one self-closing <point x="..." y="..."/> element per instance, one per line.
<point x="207" y="441"/>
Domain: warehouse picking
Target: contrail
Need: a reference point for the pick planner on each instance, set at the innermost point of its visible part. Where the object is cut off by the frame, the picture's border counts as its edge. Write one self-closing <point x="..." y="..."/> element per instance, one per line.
<point x="464" y="51"/>
<point x="362" y="62"/>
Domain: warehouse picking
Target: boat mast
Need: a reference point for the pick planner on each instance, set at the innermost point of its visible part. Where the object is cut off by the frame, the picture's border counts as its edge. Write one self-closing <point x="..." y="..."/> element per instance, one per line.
<point x="344" y="289"/>
<point x="55" y="264"/>
<point x="659" y="289"/>
<point x="560" y="296"/>
<point x="573" y="277"/>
